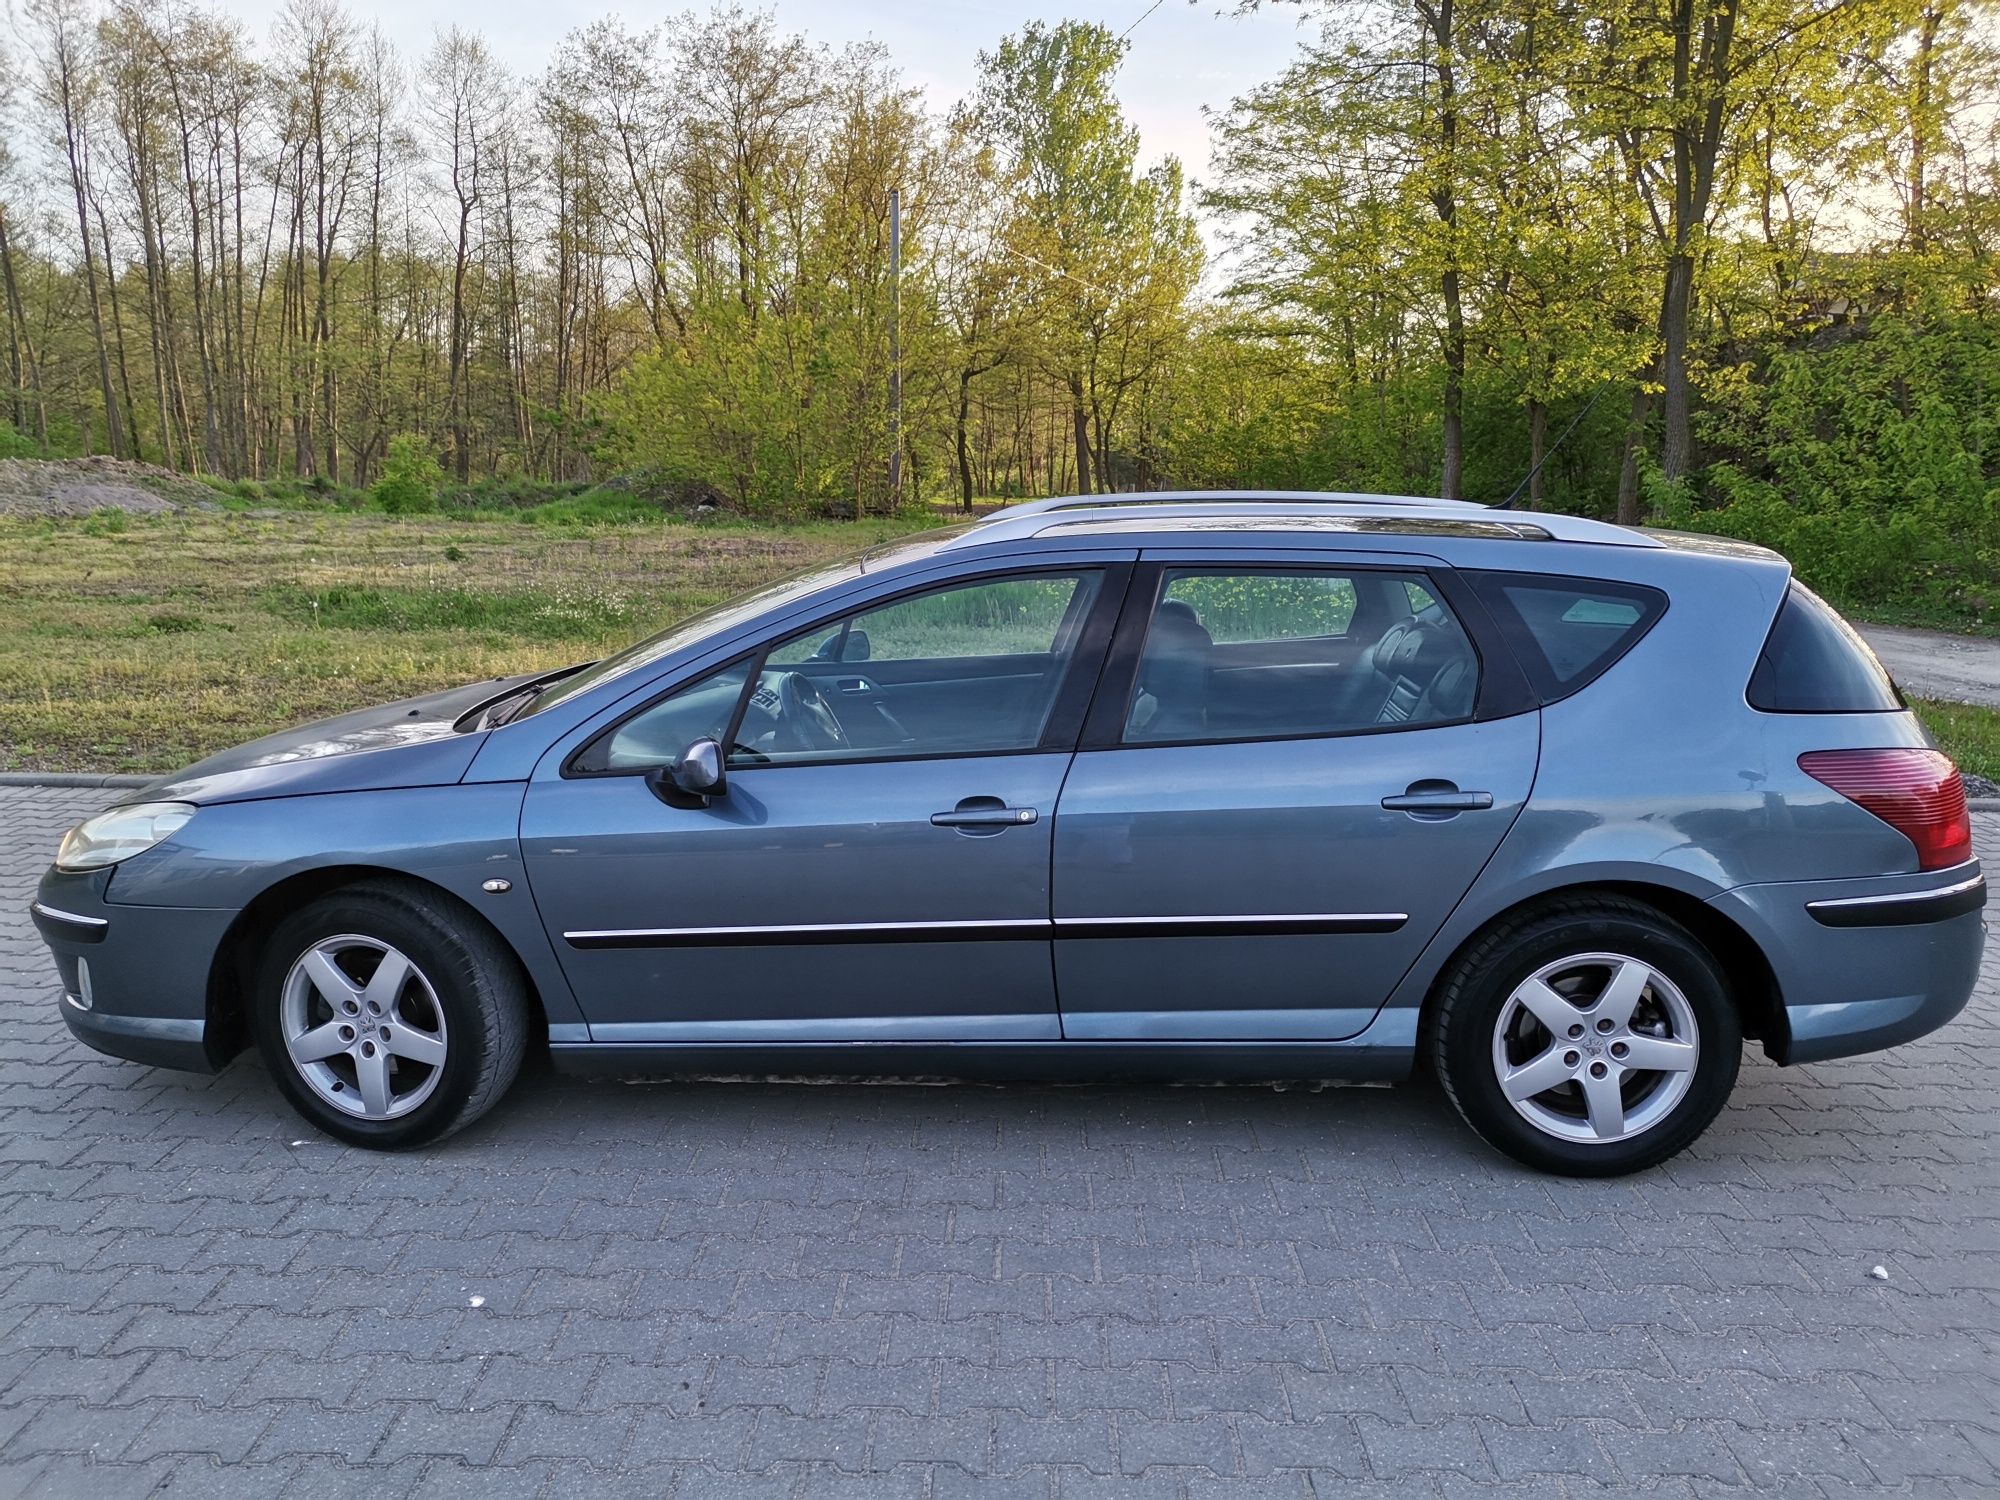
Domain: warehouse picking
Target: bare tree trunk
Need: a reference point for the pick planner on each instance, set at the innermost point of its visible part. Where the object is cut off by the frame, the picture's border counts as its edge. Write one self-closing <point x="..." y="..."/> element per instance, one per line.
<point x="27" y="377"/>
<point x="1629" y="512"/>
<point x="138" y="448"/>
<point x="1700" y="83"/>
<point x="1538" y="436"/>
<point x="72" y="128"/>
<point x="964" y="457"/>
<point x="1080" y="420"/>
<point x="1444" y="199"/>
<point x="1677" y="439"/>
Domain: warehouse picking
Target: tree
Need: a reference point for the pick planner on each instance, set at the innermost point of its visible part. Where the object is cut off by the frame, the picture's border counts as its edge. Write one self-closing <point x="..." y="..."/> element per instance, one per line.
<point x="66" y="85"/>
<point x="1104" y="243"/>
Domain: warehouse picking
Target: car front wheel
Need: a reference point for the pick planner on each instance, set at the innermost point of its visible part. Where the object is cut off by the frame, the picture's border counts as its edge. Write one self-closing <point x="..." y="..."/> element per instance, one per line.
<point x="1592" y="1037"/>
<point x="387" y="1018"/>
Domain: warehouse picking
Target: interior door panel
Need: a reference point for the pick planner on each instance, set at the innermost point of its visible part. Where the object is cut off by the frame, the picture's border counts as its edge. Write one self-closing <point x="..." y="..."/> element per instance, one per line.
<point x="942" y="703"/>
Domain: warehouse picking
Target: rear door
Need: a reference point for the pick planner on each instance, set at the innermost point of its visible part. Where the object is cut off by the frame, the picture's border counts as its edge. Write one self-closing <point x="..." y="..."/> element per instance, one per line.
<point x="1294" y="769"/>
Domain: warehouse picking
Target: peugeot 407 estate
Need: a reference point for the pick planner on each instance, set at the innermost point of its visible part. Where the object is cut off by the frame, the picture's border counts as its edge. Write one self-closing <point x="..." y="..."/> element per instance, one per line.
<point x="1189" y="786"/>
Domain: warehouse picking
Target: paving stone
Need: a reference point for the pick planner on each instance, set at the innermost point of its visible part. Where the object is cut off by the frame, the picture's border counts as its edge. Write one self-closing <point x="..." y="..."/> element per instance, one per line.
<point x="769" y="1288"/>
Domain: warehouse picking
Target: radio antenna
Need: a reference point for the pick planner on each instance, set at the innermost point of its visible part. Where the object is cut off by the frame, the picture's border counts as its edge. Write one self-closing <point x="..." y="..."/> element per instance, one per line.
<point x="1529" y="478"/>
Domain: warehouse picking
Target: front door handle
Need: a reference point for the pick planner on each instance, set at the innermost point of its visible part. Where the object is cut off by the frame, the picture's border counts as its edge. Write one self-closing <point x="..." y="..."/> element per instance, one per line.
<point x="1439" y="801"/>
<point x="985" y="817"/>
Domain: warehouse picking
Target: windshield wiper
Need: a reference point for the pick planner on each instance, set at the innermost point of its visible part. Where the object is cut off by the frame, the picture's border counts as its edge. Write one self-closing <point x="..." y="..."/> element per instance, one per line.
<point x="510" y="708"/>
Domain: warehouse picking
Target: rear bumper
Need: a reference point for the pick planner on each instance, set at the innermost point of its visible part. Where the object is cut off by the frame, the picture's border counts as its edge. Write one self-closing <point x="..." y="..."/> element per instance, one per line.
<point x="1901" y="908"/>
<point x="1863" y="965"/>
<point x="134" y="978"/>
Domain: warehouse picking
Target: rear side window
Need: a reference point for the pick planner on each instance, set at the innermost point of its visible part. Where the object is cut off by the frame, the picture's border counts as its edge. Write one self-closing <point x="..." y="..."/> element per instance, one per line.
<point x="1567" y="631"/>
<point x="1814" y="662"/>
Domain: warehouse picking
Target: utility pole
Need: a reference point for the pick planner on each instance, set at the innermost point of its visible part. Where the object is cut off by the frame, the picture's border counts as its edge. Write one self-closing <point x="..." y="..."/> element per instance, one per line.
<point x="895" y="348"/>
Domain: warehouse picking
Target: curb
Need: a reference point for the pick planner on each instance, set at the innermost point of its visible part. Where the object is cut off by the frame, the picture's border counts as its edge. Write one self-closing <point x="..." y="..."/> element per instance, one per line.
<point x="71" y="778"/>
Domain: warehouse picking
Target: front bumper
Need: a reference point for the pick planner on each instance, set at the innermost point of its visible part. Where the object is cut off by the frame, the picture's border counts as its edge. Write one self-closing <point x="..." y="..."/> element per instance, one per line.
<point x="135" y="978"/>
<point x="1865" y="964"/>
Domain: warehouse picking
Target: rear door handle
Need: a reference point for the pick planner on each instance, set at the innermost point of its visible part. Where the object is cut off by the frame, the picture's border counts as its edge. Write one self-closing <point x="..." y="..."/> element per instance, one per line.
<point x="985" y="817"/>
<point x="1452" y="801"/>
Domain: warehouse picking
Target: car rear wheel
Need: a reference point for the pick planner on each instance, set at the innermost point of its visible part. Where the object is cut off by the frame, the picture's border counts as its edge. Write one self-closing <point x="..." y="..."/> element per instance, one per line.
<point x="1594" y="1037"/>
<point x="387" y="1018"/>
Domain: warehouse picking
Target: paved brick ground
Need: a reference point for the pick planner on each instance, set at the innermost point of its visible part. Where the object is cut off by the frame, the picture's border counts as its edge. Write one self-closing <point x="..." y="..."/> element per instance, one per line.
<point x="757" y="1289"/>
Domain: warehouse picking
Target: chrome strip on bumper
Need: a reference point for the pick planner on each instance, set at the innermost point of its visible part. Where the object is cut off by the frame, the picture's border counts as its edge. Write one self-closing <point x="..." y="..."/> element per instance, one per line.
<point x="1901" y="908"/>
<point x="68" y="924"/>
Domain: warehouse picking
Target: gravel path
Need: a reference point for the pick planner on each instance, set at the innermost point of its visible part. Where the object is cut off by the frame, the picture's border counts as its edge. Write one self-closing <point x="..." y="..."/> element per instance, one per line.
<point x="1937" y="664"/>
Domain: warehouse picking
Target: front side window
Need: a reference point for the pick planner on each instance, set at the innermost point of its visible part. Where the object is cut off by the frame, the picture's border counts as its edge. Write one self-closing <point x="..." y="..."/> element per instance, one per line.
<point x="1283" y="653"/>
<point x="970" y="669"/>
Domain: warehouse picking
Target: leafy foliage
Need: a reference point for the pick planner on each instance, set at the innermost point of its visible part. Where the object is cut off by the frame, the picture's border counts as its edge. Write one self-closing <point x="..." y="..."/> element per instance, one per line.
<point x="410" y="478"/>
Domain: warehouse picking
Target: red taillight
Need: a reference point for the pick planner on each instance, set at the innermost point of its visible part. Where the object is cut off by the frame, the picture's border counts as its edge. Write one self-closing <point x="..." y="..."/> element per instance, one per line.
<point x="1916" y="792"/>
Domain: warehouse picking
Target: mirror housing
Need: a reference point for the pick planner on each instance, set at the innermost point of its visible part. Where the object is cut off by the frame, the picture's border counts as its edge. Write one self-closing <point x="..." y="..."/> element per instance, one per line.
<point x="693" y="780"/>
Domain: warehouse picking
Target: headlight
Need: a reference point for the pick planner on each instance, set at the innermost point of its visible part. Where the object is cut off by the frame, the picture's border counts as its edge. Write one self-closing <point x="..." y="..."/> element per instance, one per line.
<point x="115" y="836"/>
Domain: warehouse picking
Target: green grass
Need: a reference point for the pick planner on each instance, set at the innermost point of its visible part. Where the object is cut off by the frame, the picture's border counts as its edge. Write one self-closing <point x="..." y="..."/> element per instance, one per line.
<point x="1967" y="732"/>
<point x="142" y="646"/>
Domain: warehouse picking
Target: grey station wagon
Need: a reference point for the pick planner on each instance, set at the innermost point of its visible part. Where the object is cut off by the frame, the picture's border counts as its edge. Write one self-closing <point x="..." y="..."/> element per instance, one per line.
<point x="1193" y="786"/>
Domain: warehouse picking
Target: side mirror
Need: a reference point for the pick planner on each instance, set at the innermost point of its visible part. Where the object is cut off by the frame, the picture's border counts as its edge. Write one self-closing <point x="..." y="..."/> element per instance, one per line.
<point x="694" y="779"/>
<point x="843" y="645"/>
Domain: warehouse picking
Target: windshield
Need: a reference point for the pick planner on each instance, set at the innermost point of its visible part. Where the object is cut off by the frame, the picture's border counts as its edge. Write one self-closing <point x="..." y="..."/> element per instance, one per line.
<point x="711" y="621"/>
<point x="730" y="613"/>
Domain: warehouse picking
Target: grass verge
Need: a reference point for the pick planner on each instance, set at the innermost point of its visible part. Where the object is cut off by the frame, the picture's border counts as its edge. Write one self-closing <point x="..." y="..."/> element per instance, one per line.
<point x="1967" y="732"/>
<point x="146" y="644"/>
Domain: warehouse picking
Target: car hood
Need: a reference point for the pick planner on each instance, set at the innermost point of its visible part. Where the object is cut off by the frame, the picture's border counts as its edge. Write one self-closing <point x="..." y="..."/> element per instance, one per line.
<point x="413" y="742"/>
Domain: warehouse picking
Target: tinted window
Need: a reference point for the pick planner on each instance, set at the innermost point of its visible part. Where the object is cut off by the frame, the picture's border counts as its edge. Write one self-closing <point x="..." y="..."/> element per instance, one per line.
<point x="1814" y="662"/>
<point x="1234" y="655"/>
<point x="1236" y="607"/>
<point x="1567" y="631"/>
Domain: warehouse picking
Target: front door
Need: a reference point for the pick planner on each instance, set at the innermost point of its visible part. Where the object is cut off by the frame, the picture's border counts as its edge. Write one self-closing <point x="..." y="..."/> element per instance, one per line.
<point x="877" y="865"/>
<point x="1288" y="796"/>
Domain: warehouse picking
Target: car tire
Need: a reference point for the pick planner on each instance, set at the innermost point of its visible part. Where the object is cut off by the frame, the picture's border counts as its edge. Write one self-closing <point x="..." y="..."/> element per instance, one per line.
<point x="375" y="1056"/>
<point x="1577" y="995"/>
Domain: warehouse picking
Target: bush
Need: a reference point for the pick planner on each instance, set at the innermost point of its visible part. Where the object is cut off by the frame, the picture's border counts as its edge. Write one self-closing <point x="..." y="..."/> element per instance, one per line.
<point x="410" y="478"/>
<point x="514" y="492"/>
<point x="1870" y="460"/>
<point x="15" y="443"/>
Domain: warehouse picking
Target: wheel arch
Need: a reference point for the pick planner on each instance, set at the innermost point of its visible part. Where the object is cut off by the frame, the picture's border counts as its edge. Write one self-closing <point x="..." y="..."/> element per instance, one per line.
<point x="231" y="970"/>
<point x="1753" y="985"/>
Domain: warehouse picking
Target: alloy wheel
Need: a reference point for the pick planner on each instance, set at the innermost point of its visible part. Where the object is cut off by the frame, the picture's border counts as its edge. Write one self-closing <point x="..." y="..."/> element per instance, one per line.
<point x="363" y="1026"/>
<point x="1596" y="1048"/>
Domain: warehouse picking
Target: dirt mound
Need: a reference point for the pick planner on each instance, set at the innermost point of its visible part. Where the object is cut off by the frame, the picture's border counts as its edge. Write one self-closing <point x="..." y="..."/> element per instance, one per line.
<point x="78" y="486"/>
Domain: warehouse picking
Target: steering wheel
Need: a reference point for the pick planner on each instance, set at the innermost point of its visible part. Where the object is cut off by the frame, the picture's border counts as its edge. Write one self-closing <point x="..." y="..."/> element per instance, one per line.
<point x="811" y="717"/>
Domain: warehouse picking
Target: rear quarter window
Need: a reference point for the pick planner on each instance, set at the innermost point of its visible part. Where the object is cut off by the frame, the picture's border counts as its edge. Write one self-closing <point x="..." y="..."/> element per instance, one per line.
<point x="1814" y="662"/>
<point x="1567" y="631"/>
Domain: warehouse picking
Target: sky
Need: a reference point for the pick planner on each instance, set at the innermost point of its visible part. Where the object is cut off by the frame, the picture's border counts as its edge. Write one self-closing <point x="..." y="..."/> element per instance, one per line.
<point x="1183" y="55"/>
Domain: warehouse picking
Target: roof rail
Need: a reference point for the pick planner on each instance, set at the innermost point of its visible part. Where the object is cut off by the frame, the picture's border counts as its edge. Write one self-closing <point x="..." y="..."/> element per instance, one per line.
<point x="1226" y="497"/>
